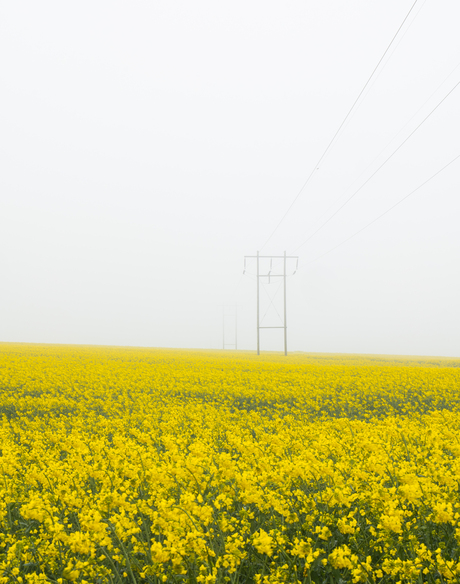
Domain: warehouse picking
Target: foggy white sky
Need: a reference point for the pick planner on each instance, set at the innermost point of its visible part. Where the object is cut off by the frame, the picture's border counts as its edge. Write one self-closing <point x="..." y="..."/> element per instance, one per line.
<point x="147" y="146"/>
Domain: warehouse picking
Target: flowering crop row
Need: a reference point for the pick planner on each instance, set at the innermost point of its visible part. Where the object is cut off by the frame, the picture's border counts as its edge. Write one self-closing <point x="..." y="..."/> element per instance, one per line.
<point x="148" y="466"/>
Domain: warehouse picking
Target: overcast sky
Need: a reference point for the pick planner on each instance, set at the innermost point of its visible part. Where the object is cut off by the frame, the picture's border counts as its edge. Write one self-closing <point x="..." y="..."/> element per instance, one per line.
<point x="147" y="146"/>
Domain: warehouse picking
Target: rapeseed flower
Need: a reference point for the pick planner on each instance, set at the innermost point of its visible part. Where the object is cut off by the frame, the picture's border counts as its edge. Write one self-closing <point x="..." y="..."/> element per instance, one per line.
<point x="147" y="466"/>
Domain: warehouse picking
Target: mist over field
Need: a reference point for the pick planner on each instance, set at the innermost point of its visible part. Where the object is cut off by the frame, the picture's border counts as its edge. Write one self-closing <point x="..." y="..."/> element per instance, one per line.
<point x="148" y="146"/>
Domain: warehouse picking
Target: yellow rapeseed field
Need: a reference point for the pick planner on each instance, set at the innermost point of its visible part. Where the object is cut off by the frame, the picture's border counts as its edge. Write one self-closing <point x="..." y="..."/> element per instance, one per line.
<point x="147" y="466"/>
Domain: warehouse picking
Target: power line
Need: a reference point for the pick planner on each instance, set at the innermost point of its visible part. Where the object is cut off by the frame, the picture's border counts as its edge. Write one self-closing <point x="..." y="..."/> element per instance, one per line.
<point x="392" y="140"/>
<point x="385" y="212"/>
<point x="390" y="54"/>
<point x="328" y="147"/>
<point x="377" y="170"/>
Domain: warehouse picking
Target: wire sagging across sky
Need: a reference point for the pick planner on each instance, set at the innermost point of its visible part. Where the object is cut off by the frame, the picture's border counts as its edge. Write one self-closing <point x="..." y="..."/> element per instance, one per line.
<point x="379" y="168"/>
<point x="385" y="212"/>
<point x="350" y="111"/>
<point x="390" y="141"/>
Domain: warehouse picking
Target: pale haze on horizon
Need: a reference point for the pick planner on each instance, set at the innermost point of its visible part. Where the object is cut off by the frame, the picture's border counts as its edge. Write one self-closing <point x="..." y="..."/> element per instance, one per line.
<point x="147" y="147"/>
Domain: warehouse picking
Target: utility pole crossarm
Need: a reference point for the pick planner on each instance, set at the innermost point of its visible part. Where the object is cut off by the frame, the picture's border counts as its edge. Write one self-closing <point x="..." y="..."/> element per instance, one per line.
<point x="274" y="257"/>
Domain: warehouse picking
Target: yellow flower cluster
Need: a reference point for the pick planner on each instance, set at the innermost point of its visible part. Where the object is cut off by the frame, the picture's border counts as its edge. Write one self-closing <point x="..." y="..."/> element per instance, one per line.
<point x="147" y="466"/>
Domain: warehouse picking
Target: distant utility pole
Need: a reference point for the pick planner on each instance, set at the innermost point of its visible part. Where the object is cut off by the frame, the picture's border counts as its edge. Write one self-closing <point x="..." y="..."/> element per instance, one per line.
<point x="225" y="313"/>
<point x="270" y="275"/>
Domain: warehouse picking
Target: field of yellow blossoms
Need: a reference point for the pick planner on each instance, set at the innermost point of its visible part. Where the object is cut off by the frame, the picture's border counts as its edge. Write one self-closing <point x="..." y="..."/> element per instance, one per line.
<point x="122" y="465"/>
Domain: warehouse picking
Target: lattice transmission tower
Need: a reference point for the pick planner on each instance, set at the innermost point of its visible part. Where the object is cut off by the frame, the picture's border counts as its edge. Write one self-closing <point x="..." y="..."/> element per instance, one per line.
<point x="230" y="322"/>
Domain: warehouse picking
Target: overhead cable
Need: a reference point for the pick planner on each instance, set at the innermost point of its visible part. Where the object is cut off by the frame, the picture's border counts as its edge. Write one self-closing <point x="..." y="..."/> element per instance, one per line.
<point x="379" y="168"/>
<point x="384" y="213"/>
<point x="328" y="147"/>
<point x="390" y="141"/>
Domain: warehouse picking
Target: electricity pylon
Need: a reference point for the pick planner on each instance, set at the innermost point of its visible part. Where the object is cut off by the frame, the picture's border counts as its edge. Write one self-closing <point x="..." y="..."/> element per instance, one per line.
<point x="235" y="328"/>
<point x="270" y="275"/>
